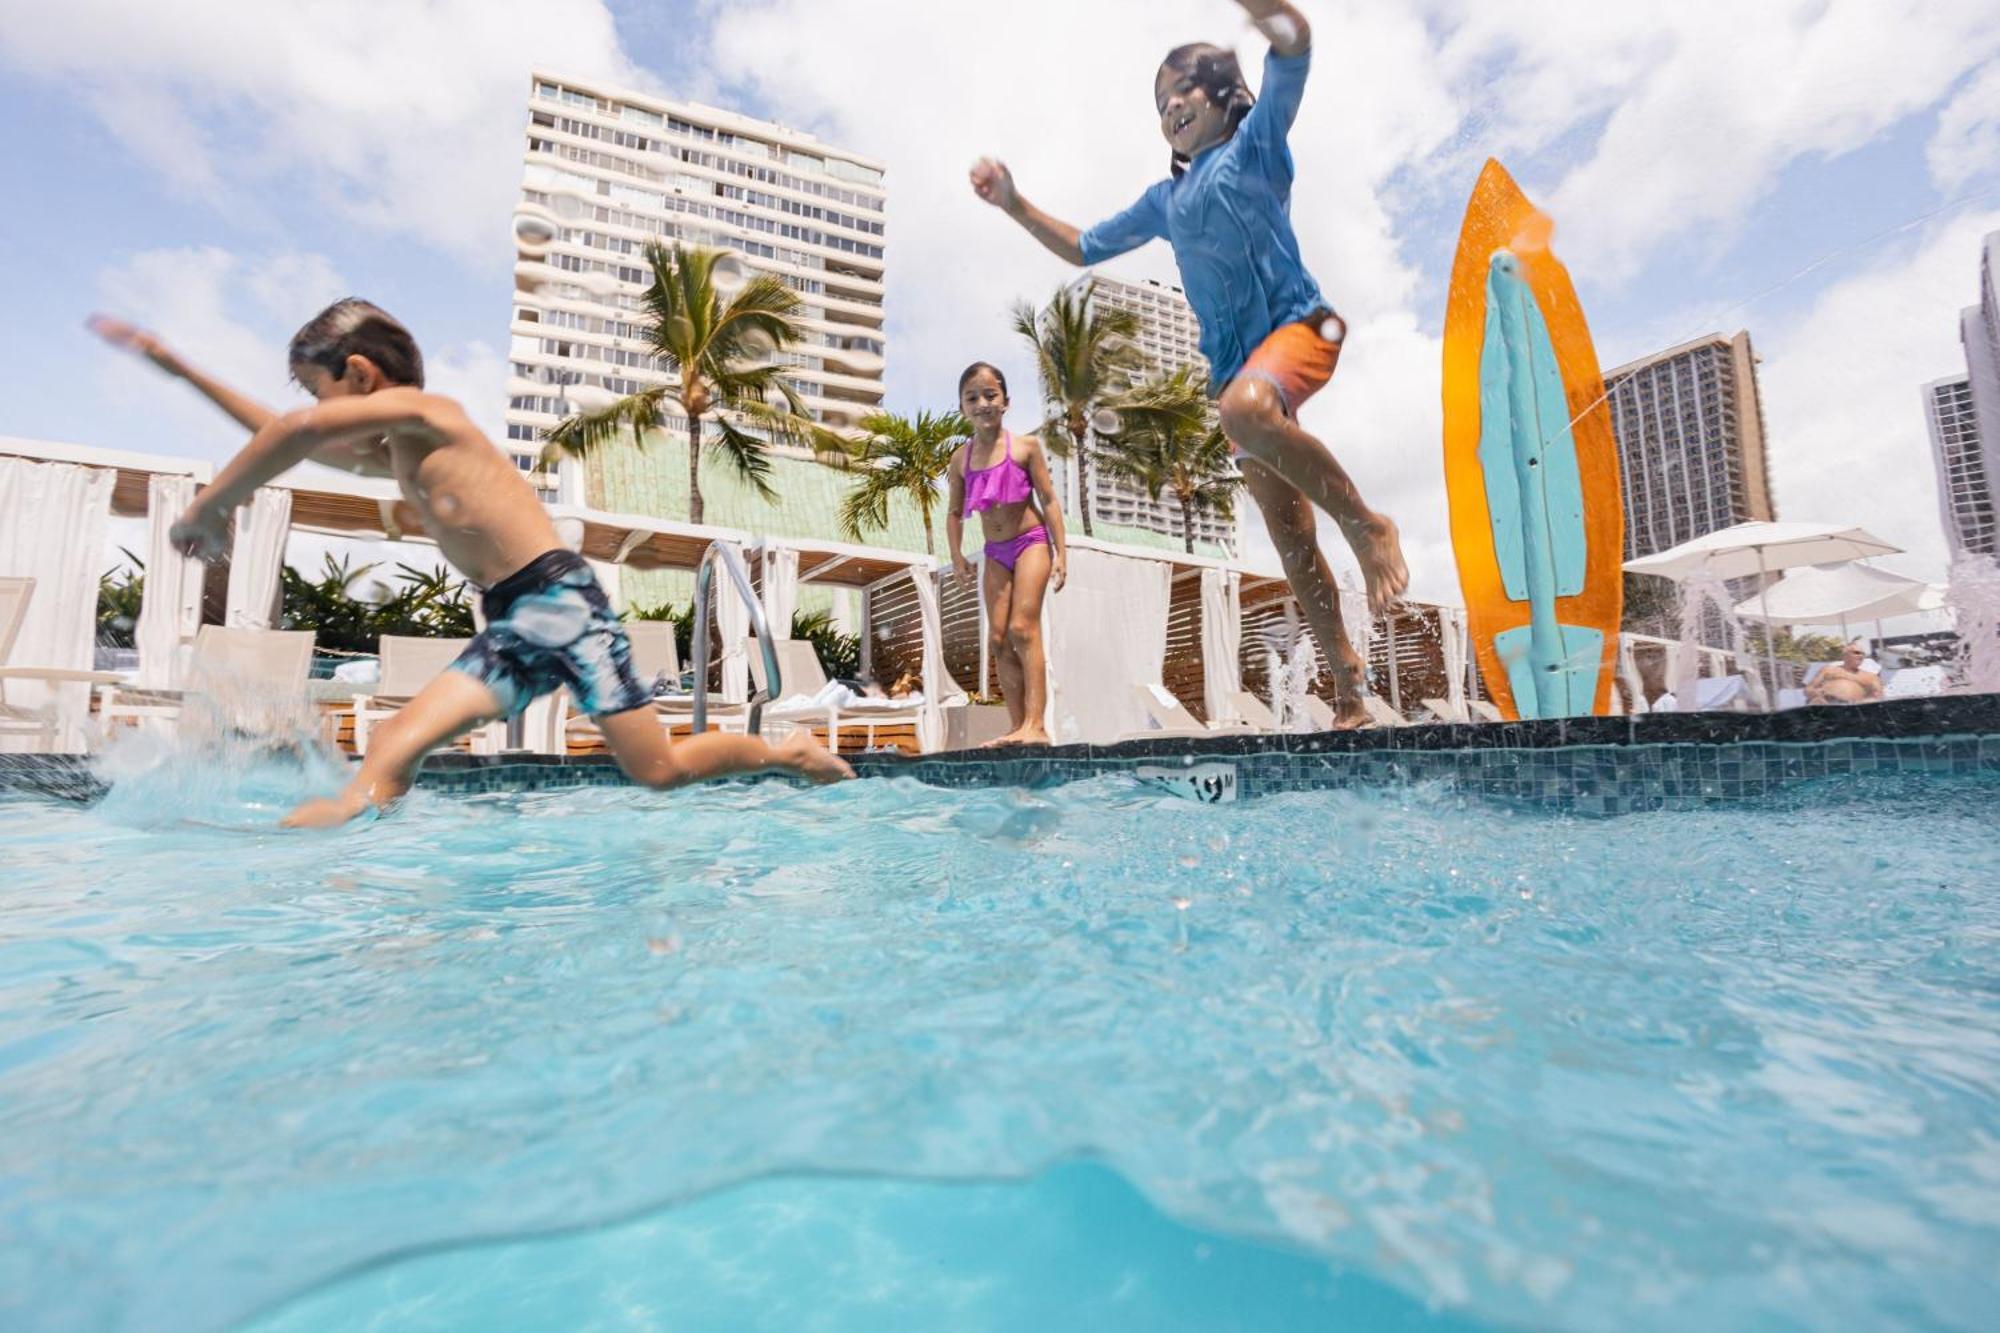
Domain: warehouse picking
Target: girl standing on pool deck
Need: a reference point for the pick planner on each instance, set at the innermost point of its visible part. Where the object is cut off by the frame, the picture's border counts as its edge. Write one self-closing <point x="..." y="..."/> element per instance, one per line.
<point x="1270" y="338"/>
<point x="1004" y="479"/>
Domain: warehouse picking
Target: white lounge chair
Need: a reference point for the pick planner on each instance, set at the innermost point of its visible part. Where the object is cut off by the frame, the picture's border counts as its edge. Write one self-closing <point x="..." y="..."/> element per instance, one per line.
<point x="803" y="678"/>
<point x="1484" y="710"/>
<point x="14" y="719"/>
<point x="1442" y="710"/>
<point x="1254" y="712"/>
<point x="1914" y="683"/>
<point x="1168" y="718"/>
<point x="255" y="677"/>
<point x="410" y="662"/>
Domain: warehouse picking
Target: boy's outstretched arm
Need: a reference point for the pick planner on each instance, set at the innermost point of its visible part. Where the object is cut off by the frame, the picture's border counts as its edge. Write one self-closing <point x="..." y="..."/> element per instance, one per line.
<point x="336" y="425"/>
<point x="253" y="415"/>
<point x="1280" y="22"/>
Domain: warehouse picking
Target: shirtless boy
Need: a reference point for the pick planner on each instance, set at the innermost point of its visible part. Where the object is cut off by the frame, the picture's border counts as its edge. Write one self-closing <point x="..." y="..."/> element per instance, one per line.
<point x="549" y="624"/>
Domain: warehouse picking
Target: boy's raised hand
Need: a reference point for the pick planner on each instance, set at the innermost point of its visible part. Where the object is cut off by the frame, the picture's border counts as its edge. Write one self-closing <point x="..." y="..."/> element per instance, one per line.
<point x="992" y="182"/>
<point x="201" y="532"/>
<point x="132" y="338"/>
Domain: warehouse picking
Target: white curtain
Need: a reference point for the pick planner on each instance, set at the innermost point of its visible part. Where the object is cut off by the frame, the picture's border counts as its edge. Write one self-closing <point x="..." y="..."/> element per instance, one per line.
<point x="847" y="610"/>
<point x="1221" y="641"/>
<point x="732" y="618"/>
<point x="262" y="527"/>
<point x="170" y="610"/>
<point x="1107" y="635"/>
<point x="940" y="690"/>
<point x="780" y="593"/>
<point x="1456" y="639"/>
<point x="1357" y="620"/>
<point x="54" y="518"/>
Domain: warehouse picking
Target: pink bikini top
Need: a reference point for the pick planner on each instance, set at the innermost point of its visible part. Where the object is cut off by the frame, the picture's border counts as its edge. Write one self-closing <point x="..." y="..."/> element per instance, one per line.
<point x="1005" y="483"/>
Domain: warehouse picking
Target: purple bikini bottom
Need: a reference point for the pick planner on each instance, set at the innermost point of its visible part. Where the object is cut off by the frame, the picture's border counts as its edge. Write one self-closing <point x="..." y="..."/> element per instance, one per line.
<point x="1006" y="554"/>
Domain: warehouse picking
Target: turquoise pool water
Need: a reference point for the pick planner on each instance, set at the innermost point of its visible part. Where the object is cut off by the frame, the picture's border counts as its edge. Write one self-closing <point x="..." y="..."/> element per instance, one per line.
<point x="887" y="1056"/>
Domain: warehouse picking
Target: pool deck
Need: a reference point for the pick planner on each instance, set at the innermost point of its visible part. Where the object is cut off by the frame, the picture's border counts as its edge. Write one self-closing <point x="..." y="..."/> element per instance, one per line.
<point x="1589" y="765"/>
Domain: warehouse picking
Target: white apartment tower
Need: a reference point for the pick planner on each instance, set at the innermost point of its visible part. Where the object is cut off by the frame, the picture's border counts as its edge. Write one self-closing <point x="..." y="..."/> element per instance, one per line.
<point x="1689" y="423"/>
<point x="606" y="171"/>
<point x="1965" y="491"/>
<point x="1169" y="337"/>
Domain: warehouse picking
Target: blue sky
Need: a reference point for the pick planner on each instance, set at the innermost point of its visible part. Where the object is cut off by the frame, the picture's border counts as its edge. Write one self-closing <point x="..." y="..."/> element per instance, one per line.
<point x="222" y="170"/>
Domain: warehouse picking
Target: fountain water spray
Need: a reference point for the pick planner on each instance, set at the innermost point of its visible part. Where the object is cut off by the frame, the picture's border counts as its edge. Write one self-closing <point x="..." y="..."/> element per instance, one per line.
<point x="1973" y="595"/>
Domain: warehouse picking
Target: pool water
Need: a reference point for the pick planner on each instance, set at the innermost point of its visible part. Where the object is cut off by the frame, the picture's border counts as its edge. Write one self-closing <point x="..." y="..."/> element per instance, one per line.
<point x="889" y="1056"/>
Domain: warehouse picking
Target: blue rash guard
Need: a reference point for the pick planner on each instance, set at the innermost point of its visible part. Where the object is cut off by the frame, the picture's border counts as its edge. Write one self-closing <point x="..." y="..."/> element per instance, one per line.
<point x="1229" y="219"/>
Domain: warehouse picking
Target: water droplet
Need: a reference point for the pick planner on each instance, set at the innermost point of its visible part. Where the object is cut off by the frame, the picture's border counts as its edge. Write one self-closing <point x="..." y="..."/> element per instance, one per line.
<point x="1106" y="421"/>
<point x="1333" y="328"/>
<point x="1182" y="904"/>
<point x="729" y="276"/>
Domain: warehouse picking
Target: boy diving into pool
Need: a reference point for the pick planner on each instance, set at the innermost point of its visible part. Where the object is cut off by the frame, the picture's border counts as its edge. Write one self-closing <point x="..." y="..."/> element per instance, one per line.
<point x="549" y="624"/>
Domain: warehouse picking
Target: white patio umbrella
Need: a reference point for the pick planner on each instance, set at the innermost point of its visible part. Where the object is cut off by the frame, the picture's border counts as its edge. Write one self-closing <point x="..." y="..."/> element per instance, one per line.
<point x="1759" y="548"/>
<point x="1836" y="595"/>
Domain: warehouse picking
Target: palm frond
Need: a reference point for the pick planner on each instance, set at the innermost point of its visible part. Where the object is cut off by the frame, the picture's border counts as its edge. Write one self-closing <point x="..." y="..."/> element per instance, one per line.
<point x="750" y="456"/>
<point x="578" y="436"/>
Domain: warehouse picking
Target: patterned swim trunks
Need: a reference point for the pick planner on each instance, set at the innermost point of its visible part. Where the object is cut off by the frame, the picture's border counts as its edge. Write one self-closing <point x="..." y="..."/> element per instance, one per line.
<point x="549" y="626"/>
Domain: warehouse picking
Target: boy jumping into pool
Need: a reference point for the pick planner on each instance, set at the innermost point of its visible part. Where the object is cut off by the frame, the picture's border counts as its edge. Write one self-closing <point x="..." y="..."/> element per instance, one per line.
<point x="1271" y="339"/>
<point x="548" y="623"/>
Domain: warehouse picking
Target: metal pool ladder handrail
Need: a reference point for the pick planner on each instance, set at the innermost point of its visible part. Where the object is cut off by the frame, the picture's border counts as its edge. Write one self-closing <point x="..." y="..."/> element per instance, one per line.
<point x="704" y="575"/>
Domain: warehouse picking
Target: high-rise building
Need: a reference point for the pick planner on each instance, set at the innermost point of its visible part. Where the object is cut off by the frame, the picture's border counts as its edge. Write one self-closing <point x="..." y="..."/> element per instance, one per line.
<point x="608" y="170"/>
<point x="1169" y="338"/>
<point x="1690" y="428"/>
<point x="1965" y="494"/>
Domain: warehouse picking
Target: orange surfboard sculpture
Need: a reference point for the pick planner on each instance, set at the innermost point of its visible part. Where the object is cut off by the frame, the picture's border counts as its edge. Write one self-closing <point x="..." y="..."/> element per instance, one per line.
<point x="1530" y="465"/>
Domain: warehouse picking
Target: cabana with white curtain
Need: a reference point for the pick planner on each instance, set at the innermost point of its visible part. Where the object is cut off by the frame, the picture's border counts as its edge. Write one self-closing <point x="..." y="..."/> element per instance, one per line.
<point x="901" y="625"/>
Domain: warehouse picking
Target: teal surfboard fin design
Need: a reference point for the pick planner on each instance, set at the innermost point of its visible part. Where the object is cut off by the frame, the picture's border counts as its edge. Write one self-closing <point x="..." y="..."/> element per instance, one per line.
<point x="1534" y="492"/>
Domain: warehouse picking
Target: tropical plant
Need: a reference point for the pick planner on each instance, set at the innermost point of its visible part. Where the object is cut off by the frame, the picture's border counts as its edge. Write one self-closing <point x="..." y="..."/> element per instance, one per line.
<point x="120" y="592"/>
<point x="899" y="455"/>
<point x="1084" y="355"/>
<point x="426" y="604"/>
<point x="720" y="354"/>
<point x="1169" y="440"/>
<point x="839" y="653"/>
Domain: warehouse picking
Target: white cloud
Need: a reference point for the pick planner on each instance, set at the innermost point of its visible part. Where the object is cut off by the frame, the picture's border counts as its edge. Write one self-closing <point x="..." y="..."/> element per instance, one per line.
<point x="1967" y="142"/>
<point x="232" y="316"/>
<point x="406" y="117"/>
<point x="1702" y="104"/>
<point x="1842" y="391"/>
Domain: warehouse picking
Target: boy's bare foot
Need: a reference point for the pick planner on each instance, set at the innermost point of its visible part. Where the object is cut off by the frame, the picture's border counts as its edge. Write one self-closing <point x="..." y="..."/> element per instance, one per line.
<point x="1026" y="734"/>
<point x="1379" y="548"/>
<point x="1350" y="714"/>
<point x="802" y="753"/>
<point x="326" y="812"/>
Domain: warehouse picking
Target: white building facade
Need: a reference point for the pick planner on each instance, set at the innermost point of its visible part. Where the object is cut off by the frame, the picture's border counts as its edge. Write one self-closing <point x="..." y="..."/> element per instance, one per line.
<point x="607" y="170"/>
<point x="1169" y="337"/>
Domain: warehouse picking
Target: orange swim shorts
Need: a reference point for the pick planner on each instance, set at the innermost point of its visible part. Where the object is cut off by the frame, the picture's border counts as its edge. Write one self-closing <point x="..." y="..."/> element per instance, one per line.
<point x="1297" y="360"/>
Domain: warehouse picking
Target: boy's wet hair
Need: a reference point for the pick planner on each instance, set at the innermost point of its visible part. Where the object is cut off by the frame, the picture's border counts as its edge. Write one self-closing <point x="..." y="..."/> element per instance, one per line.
<point x="1217" y="72"/>
<point x="353" y="327"/>
<point x="975" y="368"/>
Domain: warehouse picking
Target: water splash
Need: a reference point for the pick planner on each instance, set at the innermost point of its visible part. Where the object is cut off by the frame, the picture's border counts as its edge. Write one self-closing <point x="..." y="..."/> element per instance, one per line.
<point x="1973" y="596"/>
<point x="1706" y="602"/>
<point x="1292" y="660"/>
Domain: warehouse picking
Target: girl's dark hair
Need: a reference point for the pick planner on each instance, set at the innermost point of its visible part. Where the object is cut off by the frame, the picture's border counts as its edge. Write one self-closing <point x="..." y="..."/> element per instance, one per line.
<point x="975" y="368"/>
<point x="353" y="327"/>
<point x="1215" y="70"/>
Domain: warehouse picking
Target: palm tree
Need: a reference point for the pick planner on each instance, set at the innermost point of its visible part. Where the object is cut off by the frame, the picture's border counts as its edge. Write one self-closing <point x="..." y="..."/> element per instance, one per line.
<point x="719" y="352"/>
<point x="899" y="455"/>
<point x="1169" y="439"/>
<point x="1083" y="356"/>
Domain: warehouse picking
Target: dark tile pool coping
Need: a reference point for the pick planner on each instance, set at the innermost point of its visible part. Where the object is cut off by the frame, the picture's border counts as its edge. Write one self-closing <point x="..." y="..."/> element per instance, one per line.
<point x="1592" y="765"/>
